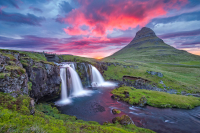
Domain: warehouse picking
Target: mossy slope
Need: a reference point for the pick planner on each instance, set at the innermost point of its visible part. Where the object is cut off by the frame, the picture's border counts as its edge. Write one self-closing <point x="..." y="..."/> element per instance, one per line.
<point x="156" y="99"/>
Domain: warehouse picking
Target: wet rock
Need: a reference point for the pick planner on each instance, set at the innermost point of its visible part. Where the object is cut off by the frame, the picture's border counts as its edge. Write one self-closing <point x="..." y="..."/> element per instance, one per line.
<point x="115" y="111"/>
<point x="142" y="101"/>
<point x="32" y="106"/>
<point x="123" y="120"/>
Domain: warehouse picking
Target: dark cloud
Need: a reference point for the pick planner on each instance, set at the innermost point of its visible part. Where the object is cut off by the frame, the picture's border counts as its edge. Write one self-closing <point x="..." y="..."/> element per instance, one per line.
<point x="65" y="7"/>
<point x="17" y="18"/>
<point x="181" y="33"/>
<point x="9" y="3"/>
<point x="35" y="9"/>
<point x="185" y="17"/>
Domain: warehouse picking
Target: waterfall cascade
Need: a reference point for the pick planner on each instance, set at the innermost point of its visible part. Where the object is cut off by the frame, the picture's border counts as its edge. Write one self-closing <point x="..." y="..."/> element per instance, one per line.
<point x="97" y="79"/>
<point x="71" y="82"/>
<point x="74" y="81"/>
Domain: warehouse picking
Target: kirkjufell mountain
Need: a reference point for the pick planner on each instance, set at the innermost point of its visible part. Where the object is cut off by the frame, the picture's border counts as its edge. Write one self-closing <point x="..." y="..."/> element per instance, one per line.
<point x="146" y="46"/>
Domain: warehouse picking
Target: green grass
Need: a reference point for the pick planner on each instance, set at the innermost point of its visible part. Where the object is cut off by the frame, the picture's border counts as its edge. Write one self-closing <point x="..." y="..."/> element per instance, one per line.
<point x="2" y="75"/>
<point x="176" y="76"/>
<point x="8" y="55"/>
<point x="19" y="69"/>
<point x="157" y="99"/>
<point x="29" y="86"/>
<point x="15" y="117"/>
<point x="35" y="56"/>
<point x="72" y="58"/>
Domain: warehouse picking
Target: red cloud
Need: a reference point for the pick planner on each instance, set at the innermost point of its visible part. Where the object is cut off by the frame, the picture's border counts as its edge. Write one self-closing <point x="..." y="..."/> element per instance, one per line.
<point x="101" y="16"/>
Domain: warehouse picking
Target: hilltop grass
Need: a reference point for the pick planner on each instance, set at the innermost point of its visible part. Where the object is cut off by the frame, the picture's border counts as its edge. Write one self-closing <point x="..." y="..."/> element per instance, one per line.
<point x="157" y="99"/>
<point x="72" y="58"/>
<point x="15" y="117"/>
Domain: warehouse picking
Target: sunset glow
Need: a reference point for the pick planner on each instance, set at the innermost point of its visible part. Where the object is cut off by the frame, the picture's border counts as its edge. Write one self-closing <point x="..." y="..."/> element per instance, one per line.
<point x="96" y="28"/>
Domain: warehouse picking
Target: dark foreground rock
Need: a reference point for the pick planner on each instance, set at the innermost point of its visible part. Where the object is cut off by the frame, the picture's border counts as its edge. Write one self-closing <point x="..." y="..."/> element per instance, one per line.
<point x="123" y="120"/>
<point x="20" y="74"/>
<point x="13" y="78"/>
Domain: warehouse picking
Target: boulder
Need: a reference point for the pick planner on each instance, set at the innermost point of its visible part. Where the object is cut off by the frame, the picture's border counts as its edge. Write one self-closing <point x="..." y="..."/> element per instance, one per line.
<point x="115" y="111"/>
<point x="123" y="120"/>
<point x="142" y="101"/>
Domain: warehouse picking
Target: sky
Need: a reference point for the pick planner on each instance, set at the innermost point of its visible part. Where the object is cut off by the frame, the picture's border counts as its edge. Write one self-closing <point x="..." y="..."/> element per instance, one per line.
<point x="96" y="28"/>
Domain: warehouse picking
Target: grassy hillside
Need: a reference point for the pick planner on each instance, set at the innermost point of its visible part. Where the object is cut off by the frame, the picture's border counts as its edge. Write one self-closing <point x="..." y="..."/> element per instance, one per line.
<point x="181" y="69"/>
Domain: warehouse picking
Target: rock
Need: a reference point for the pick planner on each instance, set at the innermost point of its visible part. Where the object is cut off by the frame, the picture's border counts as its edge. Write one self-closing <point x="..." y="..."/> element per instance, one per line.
<point x="159" y="74"/>
<point x="161" y="82"/>
<point x="124" y="66"/>
<point x="32" y="107"/>
<point x="123" y="120"/>
<point x="115" y="111"/>
<point x="142" y="101"/>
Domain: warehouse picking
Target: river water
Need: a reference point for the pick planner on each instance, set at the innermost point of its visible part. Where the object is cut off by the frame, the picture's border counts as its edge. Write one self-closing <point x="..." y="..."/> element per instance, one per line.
<point x="98" y="106"/>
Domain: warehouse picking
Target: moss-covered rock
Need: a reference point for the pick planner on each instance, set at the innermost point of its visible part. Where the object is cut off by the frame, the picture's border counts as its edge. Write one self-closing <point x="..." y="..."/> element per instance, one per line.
<point x="123" y="120"/>
<point x="115" y="111"/>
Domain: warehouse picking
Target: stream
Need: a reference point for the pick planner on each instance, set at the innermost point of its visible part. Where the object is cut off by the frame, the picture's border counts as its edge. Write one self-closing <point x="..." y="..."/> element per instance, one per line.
<point x="98" y="107"/>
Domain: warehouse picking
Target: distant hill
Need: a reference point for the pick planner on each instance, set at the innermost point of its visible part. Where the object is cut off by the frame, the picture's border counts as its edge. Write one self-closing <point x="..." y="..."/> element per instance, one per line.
<point x="146" y="46"/>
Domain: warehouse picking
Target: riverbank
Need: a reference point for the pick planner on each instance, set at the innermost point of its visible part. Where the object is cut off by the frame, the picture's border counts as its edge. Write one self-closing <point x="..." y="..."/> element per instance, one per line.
<point x="143" y="97"/>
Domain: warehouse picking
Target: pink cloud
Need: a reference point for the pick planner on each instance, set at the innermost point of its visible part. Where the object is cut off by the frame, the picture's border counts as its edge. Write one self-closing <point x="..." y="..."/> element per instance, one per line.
<point x="101" y="16"/>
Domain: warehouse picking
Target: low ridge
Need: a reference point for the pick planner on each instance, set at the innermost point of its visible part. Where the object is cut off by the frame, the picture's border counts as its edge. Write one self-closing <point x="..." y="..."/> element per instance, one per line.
<point x="146" y="46"/>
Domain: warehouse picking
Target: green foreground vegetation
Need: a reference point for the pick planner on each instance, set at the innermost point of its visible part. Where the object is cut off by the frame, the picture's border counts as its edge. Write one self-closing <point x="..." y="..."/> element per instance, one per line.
<point x="15" y="117"/>
<point x="155" y="98"/>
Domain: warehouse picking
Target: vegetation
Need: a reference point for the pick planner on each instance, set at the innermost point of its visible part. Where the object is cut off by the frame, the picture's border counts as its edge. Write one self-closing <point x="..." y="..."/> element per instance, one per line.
<point x="15" y="117"/>
<point x="72" y="58"/>
<point x="2" y="75"/>
<point x="156" y="99"/>
<point x="176" y="76"/>
<point x="13" y="67"/>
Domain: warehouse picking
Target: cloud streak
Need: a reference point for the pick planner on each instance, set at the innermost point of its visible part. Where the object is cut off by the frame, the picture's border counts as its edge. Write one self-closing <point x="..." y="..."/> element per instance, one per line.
<point x="17" y="18"/>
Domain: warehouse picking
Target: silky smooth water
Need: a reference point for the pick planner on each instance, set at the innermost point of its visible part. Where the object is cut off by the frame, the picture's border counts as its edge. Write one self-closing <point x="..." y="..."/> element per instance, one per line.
<point x="98" y="107"/>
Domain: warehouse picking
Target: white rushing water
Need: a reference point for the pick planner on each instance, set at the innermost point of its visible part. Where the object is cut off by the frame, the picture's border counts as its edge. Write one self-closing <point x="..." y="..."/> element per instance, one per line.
<point x="76" y="85"/>
<point x="64" y="98"/>
<point x="98" y="80"/>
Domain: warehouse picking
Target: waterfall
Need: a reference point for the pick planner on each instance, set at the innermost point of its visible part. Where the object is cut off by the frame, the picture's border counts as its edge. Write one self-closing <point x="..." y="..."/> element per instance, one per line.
<point x="96" y="77"/>
<point x="76" y="87"/>
<point x="64" y="98"/>
<point x="64" y="84"/>
<point x="98" y="80"/>
<point x="76" y="84"/>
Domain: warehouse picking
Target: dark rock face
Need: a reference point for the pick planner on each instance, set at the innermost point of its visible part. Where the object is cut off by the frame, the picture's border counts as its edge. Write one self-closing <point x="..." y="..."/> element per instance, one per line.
<point x="123" y="120"/>
<point x="45" y="79"/>
<point x="14" y="76"/>
<point x="12" y="79"/>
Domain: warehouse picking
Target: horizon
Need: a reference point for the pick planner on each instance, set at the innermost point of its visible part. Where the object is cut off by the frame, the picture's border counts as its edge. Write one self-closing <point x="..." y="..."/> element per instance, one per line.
<point x="96" y="28"/>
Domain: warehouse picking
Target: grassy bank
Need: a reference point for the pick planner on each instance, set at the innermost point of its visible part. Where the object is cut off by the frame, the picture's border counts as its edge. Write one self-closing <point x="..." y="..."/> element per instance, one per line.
<point x="15" y="117"/>
<point x="156" y="99"/>
<point x="176" y="76"/>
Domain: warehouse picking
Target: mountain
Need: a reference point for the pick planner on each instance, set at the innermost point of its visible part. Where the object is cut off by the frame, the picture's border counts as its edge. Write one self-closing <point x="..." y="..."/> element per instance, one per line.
<point x="146" y="46"/>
